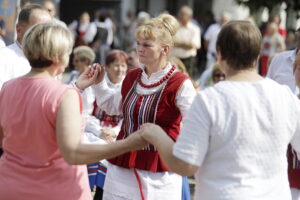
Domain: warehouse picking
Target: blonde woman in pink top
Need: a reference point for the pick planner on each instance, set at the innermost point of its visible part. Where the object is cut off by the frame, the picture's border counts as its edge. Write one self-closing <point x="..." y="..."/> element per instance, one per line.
<point x="41" y="123"/>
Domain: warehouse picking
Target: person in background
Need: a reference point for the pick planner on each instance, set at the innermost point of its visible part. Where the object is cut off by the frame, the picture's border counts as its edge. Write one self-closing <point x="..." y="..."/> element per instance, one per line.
<point x="154" y="92"/>
<point x="102" y="34"/>
<point x="272" y="44"/>
<point x="277" y="20"/>
<point x="13" y="63"/>
<point x="290" y="41"/>
<point x="230" y="157"/>
<point x="2" y="33"/>
<point x="41" y="125"/>
<point x="187" y="40"/>
<point x="25" y="3"/>
<point x="210" y="38"/>
<point x="83" y="58"/>
<point x="281" y="66"/>
<point x="216" y="75"/>
<point x="80" y="30"/>
<point x="102" y="127"/>
<point x="293" y="161"/>
<point x="133" y="59"/>
<point x="50" y="6"/>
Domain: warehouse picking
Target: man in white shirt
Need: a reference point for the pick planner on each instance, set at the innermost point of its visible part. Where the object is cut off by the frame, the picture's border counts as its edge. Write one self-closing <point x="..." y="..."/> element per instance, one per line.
<point x="281" y="67"/>
<point x="211" y="37"/>
<point x="12" y="60"/>
<point x="187" y="40"/>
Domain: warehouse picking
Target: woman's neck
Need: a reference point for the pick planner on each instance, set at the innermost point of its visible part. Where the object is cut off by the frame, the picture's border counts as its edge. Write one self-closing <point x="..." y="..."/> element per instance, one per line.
<point x="243" y="75"/>
<point x="41" y="72"/>
<point x="153" y="68"/>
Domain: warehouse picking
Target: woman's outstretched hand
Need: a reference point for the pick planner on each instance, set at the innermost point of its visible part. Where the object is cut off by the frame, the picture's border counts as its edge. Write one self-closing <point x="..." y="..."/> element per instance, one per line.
<point x="91" y="76"/>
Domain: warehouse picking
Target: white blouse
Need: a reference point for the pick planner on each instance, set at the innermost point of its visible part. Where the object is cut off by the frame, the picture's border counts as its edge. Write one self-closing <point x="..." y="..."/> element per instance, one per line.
<point x="237" y="133"/>
<point x="93" y="126"/>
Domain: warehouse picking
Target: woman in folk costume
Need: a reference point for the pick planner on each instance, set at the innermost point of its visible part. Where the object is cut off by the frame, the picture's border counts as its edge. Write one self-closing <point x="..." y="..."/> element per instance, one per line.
<point x="156" y="92"/>
<point x="102" y="127"/>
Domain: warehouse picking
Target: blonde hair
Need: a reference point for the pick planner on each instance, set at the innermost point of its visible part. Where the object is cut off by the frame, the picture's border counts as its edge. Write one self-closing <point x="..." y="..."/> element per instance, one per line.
<point x="163" y="28"/>
<point x="47" y="43"/>
<point x="85" y="53"/>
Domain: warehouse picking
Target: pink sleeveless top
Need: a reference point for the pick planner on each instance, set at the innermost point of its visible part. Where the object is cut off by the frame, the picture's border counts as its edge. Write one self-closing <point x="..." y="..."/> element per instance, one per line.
<point x="32" y="166"/>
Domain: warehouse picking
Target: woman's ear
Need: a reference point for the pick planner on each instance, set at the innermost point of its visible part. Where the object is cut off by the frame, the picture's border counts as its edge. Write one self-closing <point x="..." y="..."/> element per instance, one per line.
<point x="165" y="50"/>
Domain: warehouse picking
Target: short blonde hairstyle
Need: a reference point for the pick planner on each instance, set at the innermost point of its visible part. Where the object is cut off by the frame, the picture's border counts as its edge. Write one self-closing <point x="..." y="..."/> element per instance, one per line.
<point x="163" y="28"/>
<point x="47" y="43"/>
<point x="85" y="53"/>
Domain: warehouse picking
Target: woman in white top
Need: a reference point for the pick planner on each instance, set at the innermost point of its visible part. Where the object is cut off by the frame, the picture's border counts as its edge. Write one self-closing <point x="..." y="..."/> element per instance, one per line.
<point x="235" y="136"/>
<point x="158" y="93"/>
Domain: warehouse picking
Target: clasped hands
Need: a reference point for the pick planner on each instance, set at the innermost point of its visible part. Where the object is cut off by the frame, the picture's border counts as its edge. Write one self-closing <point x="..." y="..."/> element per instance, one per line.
<point x="147" y="134"/>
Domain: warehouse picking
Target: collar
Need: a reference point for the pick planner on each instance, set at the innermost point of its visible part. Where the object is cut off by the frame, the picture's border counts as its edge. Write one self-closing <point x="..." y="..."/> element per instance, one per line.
<point x="292" y="55"/>
<point x="111" y="84"/>
<point x="18" y="44"/>
<point x="156" y="75"/>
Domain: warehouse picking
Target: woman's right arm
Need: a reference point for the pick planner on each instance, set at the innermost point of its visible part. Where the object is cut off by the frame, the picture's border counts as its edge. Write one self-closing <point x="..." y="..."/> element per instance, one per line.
<point x="68" y="133"/>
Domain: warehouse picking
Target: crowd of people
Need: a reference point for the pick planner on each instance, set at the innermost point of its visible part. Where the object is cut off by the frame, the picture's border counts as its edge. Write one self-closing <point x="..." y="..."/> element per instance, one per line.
<point x="139" y="123"/>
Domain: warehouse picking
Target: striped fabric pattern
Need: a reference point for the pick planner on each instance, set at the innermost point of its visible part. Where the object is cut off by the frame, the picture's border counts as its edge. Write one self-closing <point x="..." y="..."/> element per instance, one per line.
<point x="97" y="173"/>
<point x="146" y="110"/>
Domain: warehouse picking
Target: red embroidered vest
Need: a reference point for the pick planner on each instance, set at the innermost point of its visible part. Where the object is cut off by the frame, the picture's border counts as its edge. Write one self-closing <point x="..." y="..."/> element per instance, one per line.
<point x="158" y="108"/>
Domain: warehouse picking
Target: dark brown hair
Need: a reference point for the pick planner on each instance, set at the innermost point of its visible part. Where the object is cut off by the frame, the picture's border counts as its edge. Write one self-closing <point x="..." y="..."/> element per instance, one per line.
<point x="114" y="55"/>
<point x="239" y="43"/>
<point x="24" y="14"/>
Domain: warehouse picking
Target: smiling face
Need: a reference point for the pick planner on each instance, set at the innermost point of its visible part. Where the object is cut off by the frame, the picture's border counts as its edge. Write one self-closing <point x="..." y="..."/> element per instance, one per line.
<point x="149" y="51"/>
<point x="116" y="70"/>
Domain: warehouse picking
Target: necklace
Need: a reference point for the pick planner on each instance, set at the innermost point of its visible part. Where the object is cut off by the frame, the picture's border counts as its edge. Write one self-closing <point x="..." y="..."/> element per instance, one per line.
<point x="166" y="77"/>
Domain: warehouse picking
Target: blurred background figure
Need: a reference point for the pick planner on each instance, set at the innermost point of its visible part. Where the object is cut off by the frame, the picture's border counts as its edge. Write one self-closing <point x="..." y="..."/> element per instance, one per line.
<point x="187" y="40"/>
<point x="2" y="33"/>
<point x="290" y="41"/>
<point x="24" y="3"/>
<point x="281" y="66"/>
<point x="80" y="30"/>
<point x="83" y="57"/>
<point x="210" y="38"/>
<point x="102" y="37"/>
<point x="12" y="60"/>
<point x="50" y="6"/>
<point x="102" y="127"/>
<point x="277" y="20"/>
<point x="216" y="75"/>
<point x="133" y="59"/>
<point x="272" y="43"/>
